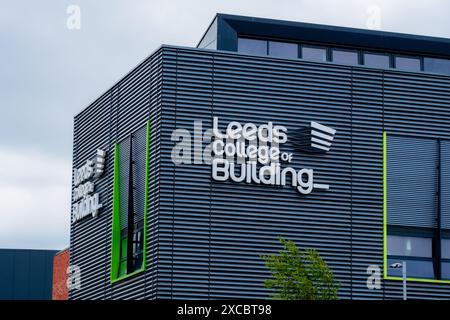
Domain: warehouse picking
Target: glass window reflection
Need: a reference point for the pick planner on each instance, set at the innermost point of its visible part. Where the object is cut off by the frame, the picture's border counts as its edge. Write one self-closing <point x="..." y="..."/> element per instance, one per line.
<point x="441" y="66"/>
<point x="407" y="63"/>
<point x="409" y="246"/>
<point x="283" y="49"/>
<point x="252" y="46"/>
<point x="376" y="60"/>
<point x="345" y="57"/>
<point x="314" y="53"/>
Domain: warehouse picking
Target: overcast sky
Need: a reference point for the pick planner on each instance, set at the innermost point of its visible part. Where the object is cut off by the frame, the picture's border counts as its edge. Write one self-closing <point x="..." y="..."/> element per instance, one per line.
<point x="48" y="73"/>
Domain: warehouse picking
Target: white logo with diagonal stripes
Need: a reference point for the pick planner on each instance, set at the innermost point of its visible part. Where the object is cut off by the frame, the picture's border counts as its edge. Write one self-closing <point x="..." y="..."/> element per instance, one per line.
<point x="86" y="202"/>
<point x="321" y="136"/>
<point x="99" y="163"/>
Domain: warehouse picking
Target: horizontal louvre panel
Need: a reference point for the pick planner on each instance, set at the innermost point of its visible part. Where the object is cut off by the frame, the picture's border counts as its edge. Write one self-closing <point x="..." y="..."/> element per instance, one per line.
<point x="139" y="157"/>
<point x="123" y="109"/>
<point x="412" y="181"/>
<point x="124" y="171"/>
<point x="445" y="184"/>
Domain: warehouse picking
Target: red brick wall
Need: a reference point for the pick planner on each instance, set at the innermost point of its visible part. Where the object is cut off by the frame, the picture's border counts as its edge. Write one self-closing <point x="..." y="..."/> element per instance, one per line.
<point x="60" y="265"/>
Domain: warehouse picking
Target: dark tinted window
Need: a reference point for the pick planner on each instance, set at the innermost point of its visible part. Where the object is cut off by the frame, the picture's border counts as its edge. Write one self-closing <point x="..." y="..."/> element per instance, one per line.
<point x="283" y="49"/>
<point x="407" y="63"/>
<point x="314" y="53"/>
<point x="441" y="66"/>
<point x="252" y="46"/>
<point x="445" y="248"/>
<point x="376" y="60"/>
<point x="445" y="270"/>
<point x="345" y="57"/>
<point x="414" y="269"/>
<point x="409" y="246"/>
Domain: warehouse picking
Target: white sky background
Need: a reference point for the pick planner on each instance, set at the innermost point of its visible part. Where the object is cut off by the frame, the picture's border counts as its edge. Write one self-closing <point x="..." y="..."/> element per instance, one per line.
<point x="49" y="73"/>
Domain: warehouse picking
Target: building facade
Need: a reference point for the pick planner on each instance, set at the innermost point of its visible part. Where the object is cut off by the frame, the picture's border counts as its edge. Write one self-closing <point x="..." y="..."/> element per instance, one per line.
<point x="189" y="168"/>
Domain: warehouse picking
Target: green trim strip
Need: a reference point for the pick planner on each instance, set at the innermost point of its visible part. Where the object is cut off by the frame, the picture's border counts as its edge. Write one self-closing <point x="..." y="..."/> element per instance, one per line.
<point x="385" y="266"/>
<point x="385" y="204"/>
<point x="418" y="280"/>
<point x="115" y="254"/>
<point x="147" y="186"/>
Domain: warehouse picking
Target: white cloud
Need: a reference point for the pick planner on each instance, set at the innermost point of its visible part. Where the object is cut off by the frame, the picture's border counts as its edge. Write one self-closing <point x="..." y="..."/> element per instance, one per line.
<point x="34" y="200"/>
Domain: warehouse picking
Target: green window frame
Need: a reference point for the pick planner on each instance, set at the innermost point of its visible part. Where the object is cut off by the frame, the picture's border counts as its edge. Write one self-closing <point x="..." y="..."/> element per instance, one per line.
<point x="119" y="257"/>
<point x="385" y="226"/>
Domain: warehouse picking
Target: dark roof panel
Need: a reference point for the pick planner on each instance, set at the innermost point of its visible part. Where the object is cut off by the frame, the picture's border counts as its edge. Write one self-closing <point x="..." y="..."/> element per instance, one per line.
<point x="339" y="36"/>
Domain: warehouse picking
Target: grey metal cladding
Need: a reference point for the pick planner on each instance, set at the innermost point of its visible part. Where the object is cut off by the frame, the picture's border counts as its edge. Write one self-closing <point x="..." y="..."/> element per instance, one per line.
<point x="411" y="187"/>
<point x="241" y="221"/>
<point x="365" y="224"/>
<point x="123" y="109"/>
<point x="219" y="230"/>
<point x="88" y="240"/>
<point x="205" y="237"/>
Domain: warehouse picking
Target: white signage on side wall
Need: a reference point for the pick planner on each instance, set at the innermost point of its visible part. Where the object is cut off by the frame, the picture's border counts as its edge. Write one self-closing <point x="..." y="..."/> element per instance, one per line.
<point x="87" y="201"/>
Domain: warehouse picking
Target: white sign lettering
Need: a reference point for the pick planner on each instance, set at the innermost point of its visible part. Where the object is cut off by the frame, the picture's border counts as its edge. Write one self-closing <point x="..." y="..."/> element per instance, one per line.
<point x="246" y="152"/>
<point x="87" y="202"/>
<point x="239" y="144"/>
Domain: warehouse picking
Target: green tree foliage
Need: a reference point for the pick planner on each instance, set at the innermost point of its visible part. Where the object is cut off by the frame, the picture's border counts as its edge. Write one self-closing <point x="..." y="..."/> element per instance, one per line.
<point x="299" y="275"/>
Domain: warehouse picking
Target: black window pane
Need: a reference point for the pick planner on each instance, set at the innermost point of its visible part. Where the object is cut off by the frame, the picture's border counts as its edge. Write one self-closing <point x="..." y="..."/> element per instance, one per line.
<point x="414" y="269"/>
<point x="252" y="46"/>
<point x="314" y="53"/>
<point x="376" y="60"/>
<point x="407" y="63"/>
<point x="441" y="66"/>
<point x="345" y="57"/>
<point x="409" y="246"/>
<point x="283" y="49"/>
